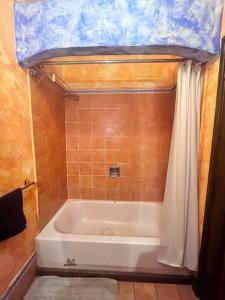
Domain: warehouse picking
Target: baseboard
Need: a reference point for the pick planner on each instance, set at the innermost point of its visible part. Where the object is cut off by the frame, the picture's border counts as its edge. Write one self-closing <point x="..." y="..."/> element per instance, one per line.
<point x="120" y="276"/>
<point x="23" y="280"/>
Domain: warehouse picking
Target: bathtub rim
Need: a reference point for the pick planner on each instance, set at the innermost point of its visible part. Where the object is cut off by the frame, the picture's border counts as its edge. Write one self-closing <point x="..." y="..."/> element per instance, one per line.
<point x="49" y="232"/>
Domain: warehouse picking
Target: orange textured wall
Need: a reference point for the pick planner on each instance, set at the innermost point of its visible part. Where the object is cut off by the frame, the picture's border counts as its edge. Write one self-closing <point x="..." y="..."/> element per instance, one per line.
<point x="48" y="110"/>
<point x="206" y="133"/>
<point x="16" y="152"/>
<point x="117" y="76"/>
<point x="132" y="131"/>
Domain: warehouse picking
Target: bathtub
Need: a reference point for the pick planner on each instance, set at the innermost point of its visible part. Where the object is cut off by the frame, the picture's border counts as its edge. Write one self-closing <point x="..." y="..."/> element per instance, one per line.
<point x="101" y="235"/>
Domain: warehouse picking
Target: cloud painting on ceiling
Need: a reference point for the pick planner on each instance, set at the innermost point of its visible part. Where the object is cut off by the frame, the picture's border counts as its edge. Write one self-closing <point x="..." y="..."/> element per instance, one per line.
<point x="51" y="28"/>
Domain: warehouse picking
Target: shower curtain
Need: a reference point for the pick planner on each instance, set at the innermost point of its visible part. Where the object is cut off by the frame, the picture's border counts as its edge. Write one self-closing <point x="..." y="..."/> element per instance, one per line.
<point x="179" y="224"/>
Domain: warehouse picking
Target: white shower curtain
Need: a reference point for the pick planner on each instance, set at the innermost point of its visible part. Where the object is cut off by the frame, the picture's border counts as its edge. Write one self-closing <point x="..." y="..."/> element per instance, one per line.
<point x="179" y="224"/>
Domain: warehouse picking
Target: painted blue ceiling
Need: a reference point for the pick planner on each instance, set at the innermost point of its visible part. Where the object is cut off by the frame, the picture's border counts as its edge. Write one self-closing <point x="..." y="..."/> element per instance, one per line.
<point x="51" y="28"/>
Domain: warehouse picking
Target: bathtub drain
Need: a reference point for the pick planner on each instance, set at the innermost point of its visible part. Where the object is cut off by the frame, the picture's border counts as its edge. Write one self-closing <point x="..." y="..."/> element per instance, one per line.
<point x="106" y="231"/>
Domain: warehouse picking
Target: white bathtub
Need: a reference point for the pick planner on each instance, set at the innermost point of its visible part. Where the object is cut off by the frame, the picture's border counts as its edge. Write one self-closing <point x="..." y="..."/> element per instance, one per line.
<point x="102" y="235"/>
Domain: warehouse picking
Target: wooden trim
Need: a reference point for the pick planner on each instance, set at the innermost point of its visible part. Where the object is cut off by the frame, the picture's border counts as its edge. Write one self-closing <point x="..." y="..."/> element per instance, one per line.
<point x="213" y="238"/>
<point x="120" y="276"/>
<point x="22" y="282"/>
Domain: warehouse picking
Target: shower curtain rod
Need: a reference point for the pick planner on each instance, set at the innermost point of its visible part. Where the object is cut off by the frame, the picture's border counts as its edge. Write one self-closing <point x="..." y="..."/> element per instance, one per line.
<point x="114" y="61"/>
<point x="52" y="77"/>
<point x="121" y="91"/>
<point x="70" y="92"/>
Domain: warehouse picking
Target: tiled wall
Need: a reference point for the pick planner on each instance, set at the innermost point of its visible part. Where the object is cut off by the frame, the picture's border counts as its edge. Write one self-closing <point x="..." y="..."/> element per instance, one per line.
<point x="48" y="111"/>
<point x="132" y="131"/>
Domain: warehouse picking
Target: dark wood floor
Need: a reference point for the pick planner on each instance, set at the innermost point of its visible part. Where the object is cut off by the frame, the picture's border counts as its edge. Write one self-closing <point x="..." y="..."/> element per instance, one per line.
<point x="154" y="291"/>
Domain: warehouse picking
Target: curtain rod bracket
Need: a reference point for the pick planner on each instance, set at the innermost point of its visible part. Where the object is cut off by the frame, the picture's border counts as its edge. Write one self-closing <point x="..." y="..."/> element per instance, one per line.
<point x="33" y="72"/>
<point x="27" y="183"/>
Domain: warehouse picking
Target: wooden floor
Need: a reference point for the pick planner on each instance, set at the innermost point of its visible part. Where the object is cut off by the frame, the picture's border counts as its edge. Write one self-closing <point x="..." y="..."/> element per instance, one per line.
<point x="154" y="291"/>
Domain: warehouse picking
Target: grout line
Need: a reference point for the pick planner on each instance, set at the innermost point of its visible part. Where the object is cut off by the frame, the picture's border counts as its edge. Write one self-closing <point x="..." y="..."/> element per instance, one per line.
<point x="94" y="108"/>
<point x="106" y="173"/>
<point x="67" y="175"/>
<point x="178" y="292"/>
<point x="89" y="149"/>
<point x="119" y="162"/>
<point x="78" y="145"/>
<point x="92" y="176"/>
<point x="119" y="165"/>
<point x="105" y="153"/>
<point x="157" y="295"/>
<point x="74" y="122"/>
<point x="133" y="290"/>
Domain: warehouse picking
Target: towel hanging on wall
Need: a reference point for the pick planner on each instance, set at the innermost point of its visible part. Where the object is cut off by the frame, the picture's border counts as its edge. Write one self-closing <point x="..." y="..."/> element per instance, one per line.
<point x="12" y="218"/>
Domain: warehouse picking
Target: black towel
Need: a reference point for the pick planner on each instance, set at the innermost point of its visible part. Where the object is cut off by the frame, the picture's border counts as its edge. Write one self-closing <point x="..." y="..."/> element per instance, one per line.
<point x="12" y="218"/>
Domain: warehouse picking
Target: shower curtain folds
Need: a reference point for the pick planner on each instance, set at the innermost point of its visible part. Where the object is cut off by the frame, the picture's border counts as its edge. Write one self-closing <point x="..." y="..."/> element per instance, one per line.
<point x="179" y="224"/>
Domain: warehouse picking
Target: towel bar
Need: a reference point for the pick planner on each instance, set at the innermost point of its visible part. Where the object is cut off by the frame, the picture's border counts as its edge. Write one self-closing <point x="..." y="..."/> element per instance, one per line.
<point x="27" y="183"/>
